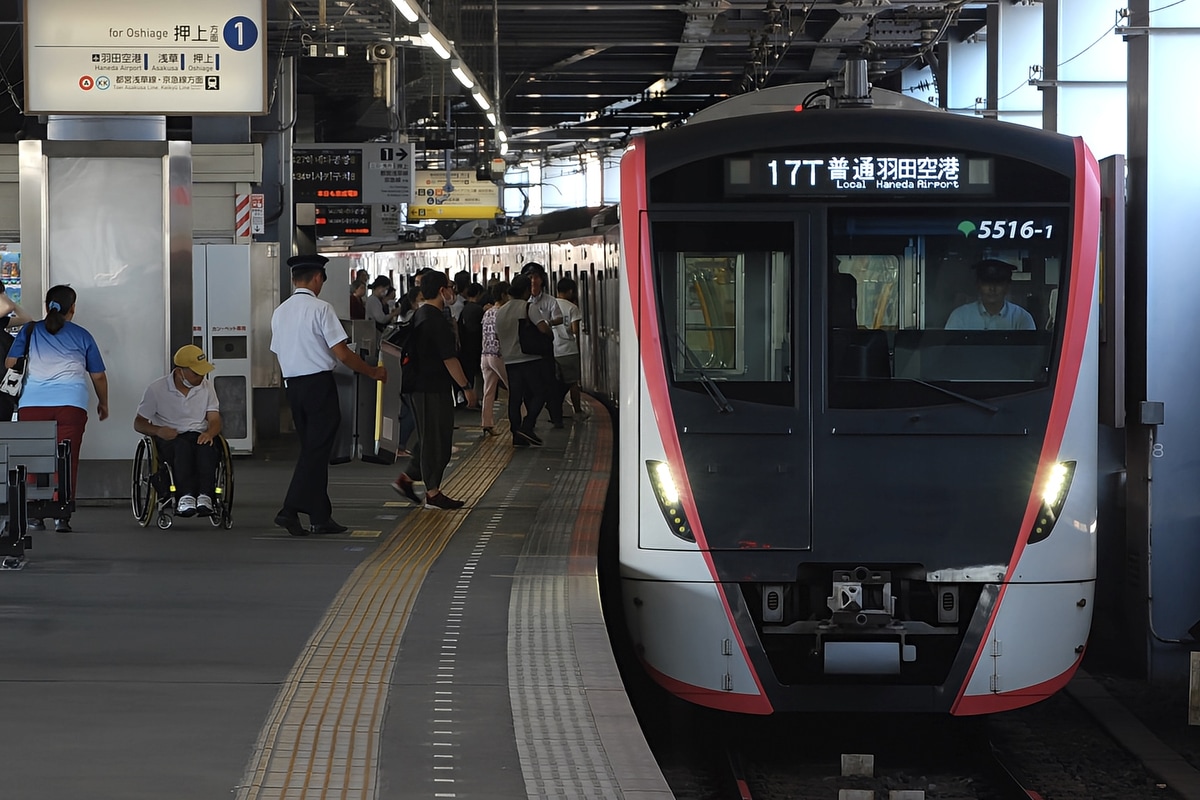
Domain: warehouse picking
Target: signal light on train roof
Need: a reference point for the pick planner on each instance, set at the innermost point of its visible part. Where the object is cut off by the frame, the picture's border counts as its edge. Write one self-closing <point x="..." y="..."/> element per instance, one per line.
<point x="799" y="107"/>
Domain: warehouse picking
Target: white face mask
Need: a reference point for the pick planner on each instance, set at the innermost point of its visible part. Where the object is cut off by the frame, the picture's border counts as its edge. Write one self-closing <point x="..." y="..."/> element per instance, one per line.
<point x="184" y="381"/>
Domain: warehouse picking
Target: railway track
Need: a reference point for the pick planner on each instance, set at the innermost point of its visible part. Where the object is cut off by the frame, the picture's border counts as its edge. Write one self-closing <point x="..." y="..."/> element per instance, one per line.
<point x="1053" y="751"/>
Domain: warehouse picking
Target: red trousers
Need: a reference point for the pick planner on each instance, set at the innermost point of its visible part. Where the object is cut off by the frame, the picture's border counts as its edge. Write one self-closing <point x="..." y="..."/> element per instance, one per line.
<point x="71" y="422"/>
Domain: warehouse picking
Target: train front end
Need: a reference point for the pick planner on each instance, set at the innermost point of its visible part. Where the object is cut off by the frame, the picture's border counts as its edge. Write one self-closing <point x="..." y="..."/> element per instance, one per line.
<point x="835" y="493"/>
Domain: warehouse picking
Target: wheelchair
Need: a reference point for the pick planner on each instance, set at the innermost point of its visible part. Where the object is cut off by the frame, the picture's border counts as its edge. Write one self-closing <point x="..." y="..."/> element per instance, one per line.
<point x="153" y="493"/>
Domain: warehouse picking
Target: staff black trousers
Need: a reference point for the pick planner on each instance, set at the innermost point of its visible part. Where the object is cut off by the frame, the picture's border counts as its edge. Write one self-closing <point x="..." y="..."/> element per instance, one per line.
<point x="315" y="411"/>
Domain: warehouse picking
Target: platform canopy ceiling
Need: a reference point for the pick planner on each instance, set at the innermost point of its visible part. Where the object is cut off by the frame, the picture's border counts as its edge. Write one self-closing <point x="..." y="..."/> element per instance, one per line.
<point x="562" y="75"/>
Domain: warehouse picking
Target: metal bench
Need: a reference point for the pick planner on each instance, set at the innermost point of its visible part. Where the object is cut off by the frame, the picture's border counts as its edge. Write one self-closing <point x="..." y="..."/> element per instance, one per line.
<point x="37" y="471"/>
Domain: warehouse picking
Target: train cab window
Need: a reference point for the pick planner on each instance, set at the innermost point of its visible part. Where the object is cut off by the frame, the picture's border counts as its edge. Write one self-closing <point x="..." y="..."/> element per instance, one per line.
<point x="966" y="300"/>
<point x="727" y="307"/>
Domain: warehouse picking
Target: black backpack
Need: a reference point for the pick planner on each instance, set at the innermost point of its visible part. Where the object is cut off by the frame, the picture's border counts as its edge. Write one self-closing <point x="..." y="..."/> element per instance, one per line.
<point x="400" y="335"/>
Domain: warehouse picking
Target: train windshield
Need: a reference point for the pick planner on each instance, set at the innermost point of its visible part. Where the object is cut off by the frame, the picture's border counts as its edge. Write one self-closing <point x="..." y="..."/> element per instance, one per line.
<point x="962" y="299"/>
<point x="727" y="305"/>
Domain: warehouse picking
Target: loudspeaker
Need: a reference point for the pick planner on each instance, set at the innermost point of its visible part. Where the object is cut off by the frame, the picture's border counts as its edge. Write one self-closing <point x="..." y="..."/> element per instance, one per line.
<point x="381" y="51"/>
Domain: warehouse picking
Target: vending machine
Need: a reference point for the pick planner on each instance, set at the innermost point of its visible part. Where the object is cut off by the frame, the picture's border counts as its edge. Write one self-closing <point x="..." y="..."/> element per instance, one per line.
<point x="10" y="272"/>
<point x="221" y="327"/>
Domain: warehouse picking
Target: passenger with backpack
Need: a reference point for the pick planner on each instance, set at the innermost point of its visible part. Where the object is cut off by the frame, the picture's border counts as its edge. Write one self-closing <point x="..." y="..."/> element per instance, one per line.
<point x="438" y="372"/>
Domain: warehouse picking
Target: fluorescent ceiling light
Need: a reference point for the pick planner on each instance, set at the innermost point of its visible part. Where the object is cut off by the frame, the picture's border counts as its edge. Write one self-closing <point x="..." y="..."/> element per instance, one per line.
<point x="481" y="100"/>
<point x="433" y="38"/>
<point x="461" y="73"/>
<point x="502" y="135"/>
<point x="406" y="10"/>
<point x="491" y="117"/>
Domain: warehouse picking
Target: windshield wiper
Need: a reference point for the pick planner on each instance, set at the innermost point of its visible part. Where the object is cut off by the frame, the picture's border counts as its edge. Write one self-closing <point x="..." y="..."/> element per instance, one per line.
<point x="710" y="386"/>
<point x="985" y="406"/>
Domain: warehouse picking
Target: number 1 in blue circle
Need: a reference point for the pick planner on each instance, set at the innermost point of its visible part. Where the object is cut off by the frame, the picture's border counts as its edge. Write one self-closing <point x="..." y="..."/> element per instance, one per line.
<point x="240" y="33"/>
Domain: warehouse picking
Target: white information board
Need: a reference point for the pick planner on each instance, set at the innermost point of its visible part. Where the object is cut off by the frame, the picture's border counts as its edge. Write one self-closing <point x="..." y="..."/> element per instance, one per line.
<point x="387" y="173"/>
<point x="145" y="57"/>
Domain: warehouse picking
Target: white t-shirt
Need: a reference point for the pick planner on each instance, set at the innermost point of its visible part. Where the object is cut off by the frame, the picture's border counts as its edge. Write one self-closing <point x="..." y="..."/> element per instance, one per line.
<point x="304" y="329"/>
<point x="507" y="322"/>
<point x="564" y="343"/>
<point x="164" y="404"/>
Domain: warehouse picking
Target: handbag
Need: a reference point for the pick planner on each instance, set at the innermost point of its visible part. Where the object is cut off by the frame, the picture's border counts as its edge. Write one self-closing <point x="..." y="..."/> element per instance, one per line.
<point x="533" y="342"/>
<point x="14" y="378"/>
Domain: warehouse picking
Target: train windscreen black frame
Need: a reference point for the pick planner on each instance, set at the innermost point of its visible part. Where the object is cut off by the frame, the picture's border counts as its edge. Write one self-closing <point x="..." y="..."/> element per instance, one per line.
<point x="917" y="308"/>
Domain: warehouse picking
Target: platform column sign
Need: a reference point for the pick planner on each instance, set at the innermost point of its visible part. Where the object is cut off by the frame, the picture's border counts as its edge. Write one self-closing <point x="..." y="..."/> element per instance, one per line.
<point x="145" y="57"/>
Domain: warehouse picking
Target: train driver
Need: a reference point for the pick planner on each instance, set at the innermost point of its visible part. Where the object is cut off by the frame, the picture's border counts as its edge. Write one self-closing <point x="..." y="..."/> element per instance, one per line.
<point x="992" y="311"/>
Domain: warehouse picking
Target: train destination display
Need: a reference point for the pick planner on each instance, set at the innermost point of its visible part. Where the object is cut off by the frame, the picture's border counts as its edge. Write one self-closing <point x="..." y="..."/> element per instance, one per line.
<point x="825" y="174"/>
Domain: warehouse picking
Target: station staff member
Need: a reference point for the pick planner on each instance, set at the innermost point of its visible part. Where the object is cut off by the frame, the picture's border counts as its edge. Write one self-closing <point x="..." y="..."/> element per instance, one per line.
<point x="308" y="340"/>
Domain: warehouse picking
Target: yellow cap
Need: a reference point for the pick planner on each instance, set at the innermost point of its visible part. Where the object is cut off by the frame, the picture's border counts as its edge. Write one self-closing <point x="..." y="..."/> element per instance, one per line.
<point x="191" y="357"/>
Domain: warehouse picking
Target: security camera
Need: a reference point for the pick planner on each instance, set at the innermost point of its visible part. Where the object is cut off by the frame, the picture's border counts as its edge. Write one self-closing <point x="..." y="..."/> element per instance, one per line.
<point x="381" y="51"/>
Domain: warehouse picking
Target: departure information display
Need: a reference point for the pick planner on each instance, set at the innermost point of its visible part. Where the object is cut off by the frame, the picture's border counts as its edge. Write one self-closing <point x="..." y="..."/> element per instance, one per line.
<point x="322" y="174"/>
<point x="846" y="173"/>
<point x="353" y="220"/>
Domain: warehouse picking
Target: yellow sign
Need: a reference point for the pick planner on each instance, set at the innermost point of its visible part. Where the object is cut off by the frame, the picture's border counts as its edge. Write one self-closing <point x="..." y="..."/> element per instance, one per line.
<point x="457" y="194"/>
<point x="418" y="213"/>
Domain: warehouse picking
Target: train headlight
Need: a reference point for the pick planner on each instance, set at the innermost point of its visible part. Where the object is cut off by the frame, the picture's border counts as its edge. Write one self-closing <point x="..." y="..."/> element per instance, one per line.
<point x="1054" y="494"/>
<point x="666" y="491"/>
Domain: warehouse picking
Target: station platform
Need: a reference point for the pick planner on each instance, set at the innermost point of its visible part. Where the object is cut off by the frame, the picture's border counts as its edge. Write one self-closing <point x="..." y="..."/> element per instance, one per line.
<point x="421" y="654"/>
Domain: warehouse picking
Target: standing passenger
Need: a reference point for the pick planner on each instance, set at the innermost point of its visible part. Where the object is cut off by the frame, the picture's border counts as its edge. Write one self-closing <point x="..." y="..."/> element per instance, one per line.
<point x="525" y="371"/>
<point x="470" y="334"/>
<point x="309" y="340"/>
<point x="60" y="359"/>
<point x="358" y="309"/>
<point x="566" y="348"/>
<point x="549" y="310"/>
<point x="438" y="372"/>
<point x="491" y="363"/>
<point x="375" y="306"/>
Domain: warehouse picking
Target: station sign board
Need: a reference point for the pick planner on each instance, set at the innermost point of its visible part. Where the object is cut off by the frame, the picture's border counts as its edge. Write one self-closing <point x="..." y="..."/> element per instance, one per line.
<point x="170" y="57"/>
<point x="457" y="195"/>
<point x="374" y="172"/>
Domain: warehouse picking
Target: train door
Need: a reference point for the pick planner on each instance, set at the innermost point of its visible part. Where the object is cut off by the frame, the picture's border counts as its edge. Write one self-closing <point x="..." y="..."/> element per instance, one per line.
<point x="733" y="295"/>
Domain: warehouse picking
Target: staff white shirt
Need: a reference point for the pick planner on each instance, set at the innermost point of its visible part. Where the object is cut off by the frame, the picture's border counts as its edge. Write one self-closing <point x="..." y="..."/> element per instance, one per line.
<point x="974" y="317"/>
<point x="304" y="329"/>
<point x="164" y="404"/>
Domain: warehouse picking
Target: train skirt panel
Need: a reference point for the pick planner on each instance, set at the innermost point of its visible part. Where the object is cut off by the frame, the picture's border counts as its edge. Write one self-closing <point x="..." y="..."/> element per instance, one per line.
<point x="682" y="634"/>
<point x="1034" y="645"/>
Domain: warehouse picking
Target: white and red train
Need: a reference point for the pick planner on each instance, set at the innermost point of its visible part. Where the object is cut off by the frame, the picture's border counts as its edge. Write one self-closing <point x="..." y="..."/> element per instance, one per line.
<point x="828" y="501"/>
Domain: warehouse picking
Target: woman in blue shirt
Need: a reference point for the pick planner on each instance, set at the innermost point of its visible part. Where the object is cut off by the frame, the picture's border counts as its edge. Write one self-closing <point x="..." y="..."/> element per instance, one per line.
<point x="61" y="359"/>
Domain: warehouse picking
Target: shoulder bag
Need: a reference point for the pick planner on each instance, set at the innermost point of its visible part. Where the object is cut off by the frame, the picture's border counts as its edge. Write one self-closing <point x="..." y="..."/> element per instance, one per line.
<point x="533" y="341"/>
<point x="14" y="378"/>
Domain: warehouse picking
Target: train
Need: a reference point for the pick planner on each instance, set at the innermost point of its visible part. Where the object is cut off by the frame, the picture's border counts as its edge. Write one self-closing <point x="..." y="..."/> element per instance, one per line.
<point x="830" y="500"/>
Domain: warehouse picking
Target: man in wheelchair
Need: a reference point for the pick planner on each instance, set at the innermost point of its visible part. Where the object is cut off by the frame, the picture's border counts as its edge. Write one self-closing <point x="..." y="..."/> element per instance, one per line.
<point x="180" y="410"/>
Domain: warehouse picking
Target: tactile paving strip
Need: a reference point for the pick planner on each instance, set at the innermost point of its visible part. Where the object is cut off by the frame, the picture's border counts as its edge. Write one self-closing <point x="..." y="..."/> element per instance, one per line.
<point x="321" y="739"/>
<point x="546" y="689"/>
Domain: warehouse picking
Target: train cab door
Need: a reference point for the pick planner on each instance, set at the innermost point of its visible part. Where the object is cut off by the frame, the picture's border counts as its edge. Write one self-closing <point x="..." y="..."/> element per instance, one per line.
<point x="732" y="304"/>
